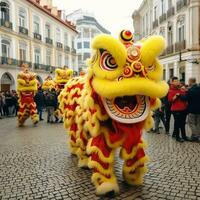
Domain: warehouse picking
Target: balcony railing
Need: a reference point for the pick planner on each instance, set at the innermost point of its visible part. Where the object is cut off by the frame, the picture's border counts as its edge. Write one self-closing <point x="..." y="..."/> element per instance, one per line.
<point x="59" y="45"/>
<point x="170" y="49"/>
<point x="18" y="63"/>
<point x="49" y="41"/>
<point x="6" y="23"/>
<point x="170" y="12"/>
<point x="180" y="4"/>
<point x="37" y="36"/>
<point x="23" y="30"/>
<point x="73" y="51"/>
<point x="67" y="49"/>
<point x="162" y="18"/>
<point x="42" y="67"/>
<point x="180" y="46"/>
<point x="155" y="23"/>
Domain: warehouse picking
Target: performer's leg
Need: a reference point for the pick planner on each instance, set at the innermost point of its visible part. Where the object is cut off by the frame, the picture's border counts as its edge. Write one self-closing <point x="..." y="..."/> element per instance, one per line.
<point x="33" y="113"/>
<point x="22" y="114"/>
<point x="102" y="161"/>
<point x="134" y="163"/>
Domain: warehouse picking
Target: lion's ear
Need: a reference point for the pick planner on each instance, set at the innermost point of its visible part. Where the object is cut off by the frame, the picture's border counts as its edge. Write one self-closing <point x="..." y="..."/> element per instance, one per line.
<point x="151" y="49"/>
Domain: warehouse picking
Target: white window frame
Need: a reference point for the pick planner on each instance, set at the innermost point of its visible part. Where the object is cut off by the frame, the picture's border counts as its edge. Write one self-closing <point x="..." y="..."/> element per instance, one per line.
<point x="22" y="17"/>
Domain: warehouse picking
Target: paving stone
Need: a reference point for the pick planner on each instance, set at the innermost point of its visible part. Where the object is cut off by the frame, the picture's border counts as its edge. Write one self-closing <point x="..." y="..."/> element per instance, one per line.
<point x="35" y="163"/>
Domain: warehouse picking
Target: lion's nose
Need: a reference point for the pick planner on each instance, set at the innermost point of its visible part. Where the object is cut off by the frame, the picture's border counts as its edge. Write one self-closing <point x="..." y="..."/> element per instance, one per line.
<point x="133" y="69"/>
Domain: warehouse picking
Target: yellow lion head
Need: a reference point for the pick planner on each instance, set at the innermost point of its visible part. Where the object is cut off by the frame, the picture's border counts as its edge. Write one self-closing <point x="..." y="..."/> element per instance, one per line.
<point x="63" y="75"/>
<point x="48" y="83"/>
<point x="127" y="75"/>
<point x="26" y="81"/>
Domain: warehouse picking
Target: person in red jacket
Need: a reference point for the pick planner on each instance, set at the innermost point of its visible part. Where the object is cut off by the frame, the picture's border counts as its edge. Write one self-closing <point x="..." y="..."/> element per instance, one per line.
<point x="177" y="97"/>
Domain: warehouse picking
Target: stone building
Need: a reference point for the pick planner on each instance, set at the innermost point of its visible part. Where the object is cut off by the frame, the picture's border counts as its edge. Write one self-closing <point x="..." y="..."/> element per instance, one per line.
<point x="179" y="22"/>
<point x="37" y="33"/>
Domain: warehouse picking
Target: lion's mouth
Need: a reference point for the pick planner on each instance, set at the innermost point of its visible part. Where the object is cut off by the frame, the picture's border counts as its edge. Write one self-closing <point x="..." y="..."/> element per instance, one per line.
<point x="127" y="109"/>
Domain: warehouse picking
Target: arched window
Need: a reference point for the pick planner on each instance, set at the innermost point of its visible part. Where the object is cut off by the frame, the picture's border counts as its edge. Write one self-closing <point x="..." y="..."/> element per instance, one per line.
<point x="37" y="55"/>
<point x="48" y="57"/>
<point x="5" y="48"/>
<point x="5" y="11"/>
<point x="48" y="30"/>
<point x="36" y="24"/>
<point x="22" y="17"/>
<point x="181" y="29"/>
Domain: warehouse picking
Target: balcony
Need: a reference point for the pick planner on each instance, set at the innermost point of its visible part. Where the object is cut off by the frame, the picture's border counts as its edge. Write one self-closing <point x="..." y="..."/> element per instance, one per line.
<point x="162" y="18"/>
<point x="41" y="67"/>
<point x="170" y="49"/>
<point x="170" y="12"/>
<point x="180" y="4"/>
<point x="6" y="23"/>
<point x="12" y="62"/>
<point x="59" y="45"/>
<point x="67" y="49"/>
<point x="73" y="51"/>
<point x="23" y="30"/>
<point x="37" y="36"/>
<point x="155" y="24"/>
<point x="180" y="46"/>
<point x="49" y="41"/>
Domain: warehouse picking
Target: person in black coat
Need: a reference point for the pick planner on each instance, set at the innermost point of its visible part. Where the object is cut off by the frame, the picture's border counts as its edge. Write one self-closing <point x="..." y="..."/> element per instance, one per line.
<point x="40" y="102"/>
<point x="193" y="98"/>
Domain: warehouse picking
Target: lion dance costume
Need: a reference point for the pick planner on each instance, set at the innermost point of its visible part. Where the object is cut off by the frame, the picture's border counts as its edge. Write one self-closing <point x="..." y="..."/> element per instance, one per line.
<point x="112" y="104"/>
<point x="27" y="86"/>
<point x="48" y="83"/>
<point x="62" y="76"/>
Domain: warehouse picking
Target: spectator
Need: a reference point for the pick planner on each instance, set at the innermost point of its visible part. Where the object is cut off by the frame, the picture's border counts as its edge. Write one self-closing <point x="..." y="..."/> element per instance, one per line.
<point x="51" y="103"/>
<point x="193" y="97"/>
<point x="179" y="108"/>
<point x="159" y="116"/>
<point x="167" y="109"/>
<point x="1" y="105"/>
<point x="8" y="103"/>
<point x="40" y="102"/>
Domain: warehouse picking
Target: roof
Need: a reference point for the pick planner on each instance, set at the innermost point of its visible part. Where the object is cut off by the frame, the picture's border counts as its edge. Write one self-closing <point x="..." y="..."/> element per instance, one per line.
<point x="92" y="20"/>
<point x="46" y="10"/>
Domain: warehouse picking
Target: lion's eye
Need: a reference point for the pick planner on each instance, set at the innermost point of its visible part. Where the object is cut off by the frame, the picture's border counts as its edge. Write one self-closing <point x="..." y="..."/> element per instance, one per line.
<point x="107" y="62"/>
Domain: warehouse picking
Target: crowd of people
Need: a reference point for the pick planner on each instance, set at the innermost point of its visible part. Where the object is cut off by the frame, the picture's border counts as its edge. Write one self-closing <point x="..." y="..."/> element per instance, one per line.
<point x="182" y="102"/>
<point x="8" y="103"/>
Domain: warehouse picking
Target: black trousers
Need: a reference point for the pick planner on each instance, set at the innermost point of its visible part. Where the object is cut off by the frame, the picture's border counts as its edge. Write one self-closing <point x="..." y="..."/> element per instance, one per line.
<point x="167" y="119"/>
<point x="179" y="123"/>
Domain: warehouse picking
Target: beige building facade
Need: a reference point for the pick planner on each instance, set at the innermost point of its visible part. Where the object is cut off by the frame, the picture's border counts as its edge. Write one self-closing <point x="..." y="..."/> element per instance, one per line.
<point x="34" y="32"/>
<point x="178" y="21"/>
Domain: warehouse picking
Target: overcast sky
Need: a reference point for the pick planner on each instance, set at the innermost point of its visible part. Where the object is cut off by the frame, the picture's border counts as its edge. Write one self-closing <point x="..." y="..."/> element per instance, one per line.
<point x="114" y="15"/>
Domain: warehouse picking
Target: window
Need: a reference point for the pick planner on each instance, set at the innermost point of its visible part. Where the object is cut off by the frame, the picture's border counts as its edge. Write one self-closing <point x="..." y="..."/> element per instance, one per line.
<point x="37" y="55"/>
<point x="48" y="57"/>
<point x="171" y="72"/>
<point x="47" y="31"/>
<point x="143" y="26"/>
<point x="59" y="60"/>
<point x="155" y="12"/>
<point x="162" y="7"/>
<point x="66" y="60"/>
<point x="66" y="39"/>
<point x="86" y="33"/>
<point x="86" y="56"/>
<point x="79" y="45"/>
<point x="79" y="59"/>
<point x="170" y="35"/>
<point x="86" y="45"/>
<point x="22" y="17"/>
<point x="5" y="11"/>
<point x="181" y="30"/>
<point x="5" y="48"/>
<point x="22" y="51"/>
<point x="36" y="24"/>
<point x="58" y="35"/>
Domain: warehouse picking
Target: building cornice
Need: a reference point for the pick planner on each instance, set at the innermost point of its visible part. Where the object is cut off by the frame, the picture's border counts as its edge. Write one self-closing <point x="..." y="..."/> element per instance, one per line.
<point x="48" y="12"/>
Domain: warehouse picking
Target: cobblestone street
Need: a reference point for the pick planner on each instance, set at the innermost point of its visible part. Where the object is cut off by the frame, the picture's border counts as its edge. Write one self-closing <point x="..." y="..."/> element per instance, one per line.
<point x="36" y="164"/>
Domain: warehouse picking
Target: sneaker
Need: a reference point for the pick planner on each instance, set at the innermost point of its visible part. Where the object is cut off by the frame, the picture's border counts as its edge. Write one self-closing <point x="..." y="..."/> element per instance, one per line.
<point x="179" y="140"/>
<point x="186" y="138"/>
<point x="41" y="119"/>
